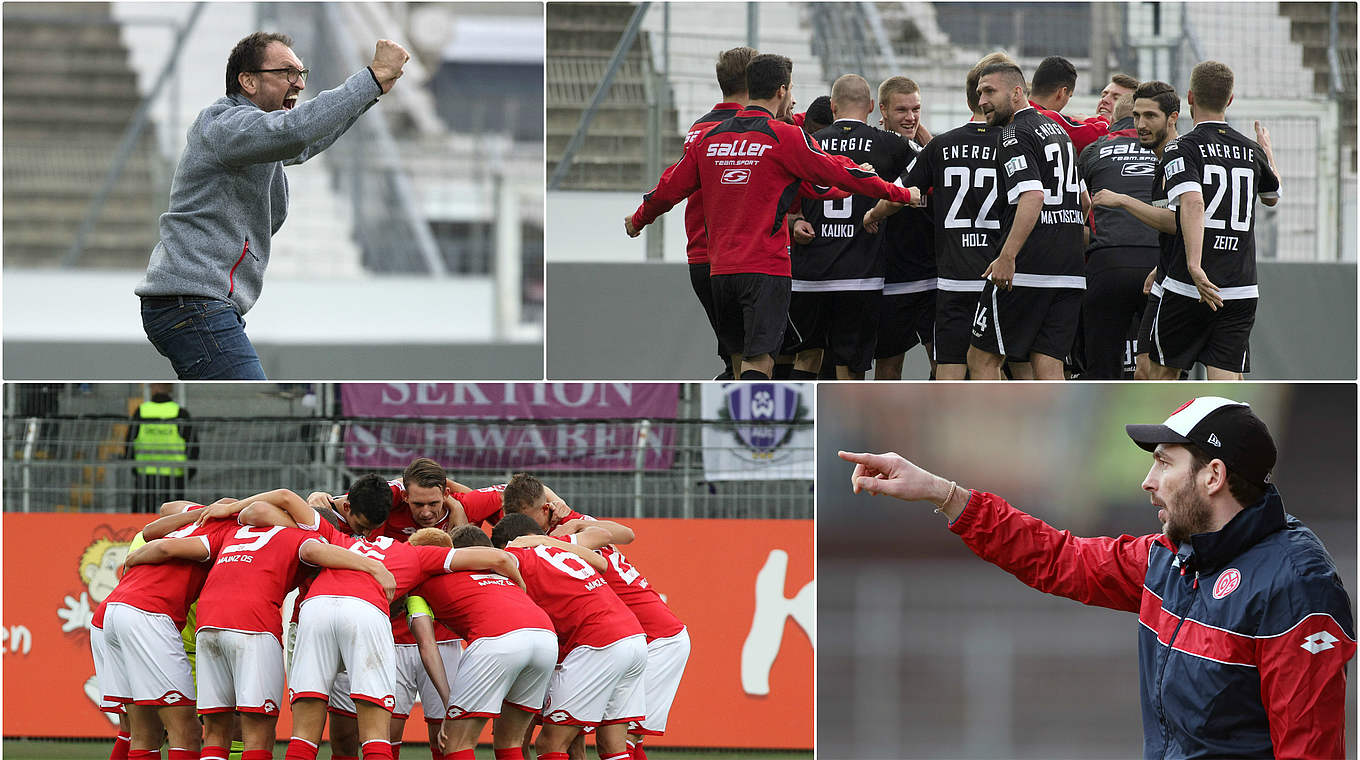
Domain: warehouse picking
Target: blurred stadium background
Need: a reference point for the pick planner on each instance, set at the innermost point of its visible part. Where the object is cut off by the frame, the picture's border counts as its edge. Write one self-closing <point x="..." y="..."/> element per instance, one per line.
<point x="1295" y="71"/>
<point x="943" y="655"/>
<point x="429" y="211"/>
<point x="723" y="474"/>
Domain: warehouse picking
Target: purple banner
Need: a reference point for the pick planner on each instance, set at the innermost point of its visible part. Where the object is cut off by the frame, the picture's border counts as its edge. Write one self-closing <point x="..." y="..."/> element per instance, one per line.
<point x="525" y="426"/>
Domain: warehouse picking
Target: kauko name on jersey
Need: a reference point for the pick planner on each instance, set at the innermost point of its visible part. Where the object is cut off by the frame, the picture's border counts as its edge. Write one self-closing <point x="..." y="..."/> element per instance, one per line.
<point x="738" y="148"/>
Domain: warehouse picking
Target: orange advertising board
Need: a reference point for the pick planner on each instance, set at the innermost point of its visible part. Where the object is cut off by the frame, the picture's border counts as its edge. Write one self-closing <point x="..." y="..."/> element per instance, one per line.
<point x="744" y="588"/>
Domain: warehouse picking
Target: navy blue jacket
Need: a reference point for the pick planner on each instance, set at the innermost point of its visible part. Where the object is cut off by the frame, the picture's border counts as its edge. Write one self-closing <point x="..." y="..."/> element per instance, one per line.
<point x="1244" y="633"/>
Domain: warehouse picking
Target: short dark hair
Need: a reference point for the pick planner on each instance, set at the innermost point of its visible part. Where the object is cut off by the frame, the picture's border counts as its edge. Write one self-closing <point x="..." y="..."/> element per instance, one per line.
<point x="511" y="527"/>
<point x="1125" y="81"/>
<point x="248" y="55"/>
<point x="524" y="491"/>
<point x="820" y="112"/>
<point x="469" y="535"/>
<point x="1013" y="73"/>
<point x="970" y="82"/>
<point x="424" y="472"/>
<point x="731" y="70"/>
<point x="765" y="74"/>
<point x="1212" y="83"/>
<point x="1054" y="72"/>
<point x="1163" y="93"/>
<point x="1243" y="491"/>
<point x="371" y="497"/>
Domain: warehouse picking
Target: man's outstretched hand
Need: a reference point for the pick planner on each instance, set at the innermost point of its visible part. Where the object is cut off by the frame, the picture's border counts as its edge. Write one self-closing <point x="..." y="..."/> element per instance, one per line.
<point x="891" y="475"/>
<point x="388" y="59"/>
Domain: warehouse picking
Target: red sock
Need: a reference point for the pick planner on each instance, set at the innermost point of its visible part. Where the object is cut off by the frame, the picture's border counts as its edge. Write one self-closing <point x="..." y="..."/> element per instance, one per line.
<point x="301" y="749"/>
<point x="258" y="754"/>
<point x="510" y="753"/>
<point x="376" y="749"/>
<point x="214" y="753"/>
<point x="638" y="752"/>
<point x="620" y="756"/>
<point x="120" y="746"/>
<point x="396" y="750"/>
<point x="462" y="754"/>
<point x="176" y="753"/>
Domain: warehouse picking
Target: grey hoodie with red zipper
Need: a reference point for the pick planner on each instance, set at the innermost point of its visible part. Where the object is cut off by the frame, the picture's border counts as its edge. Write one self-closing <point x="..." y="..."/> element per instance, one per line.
<point x="229" y="195"/>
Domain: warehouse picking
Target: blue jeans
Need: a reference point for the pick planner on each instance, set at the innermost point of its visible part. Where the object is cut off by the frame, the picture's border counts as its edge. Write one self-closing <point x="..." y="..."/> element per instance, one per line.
<point x="203" y="339"/>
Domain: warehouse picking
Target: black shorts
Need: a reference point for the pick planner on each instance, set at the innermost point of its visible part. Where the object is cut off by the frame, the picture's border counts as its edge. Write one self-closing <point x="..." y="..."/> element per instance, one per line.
<point x="1025" y="320"/>
<point x="752" y="310"/>
<point x="905" y="320"/>
<point x="1185" y="331"/>
<point x="953" y="325"/>
<point x="698" y="279"/>
<point x="1148" y="323"/>
<point x="1111" y="313"/>
<point x="844" y="322"/>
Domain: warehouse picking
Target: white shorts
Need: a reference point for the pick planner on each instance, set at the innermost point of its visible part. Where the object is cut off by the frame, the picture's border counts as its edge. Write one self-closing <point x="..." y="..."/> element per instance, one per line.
<point x="340" y="702"/>
<point x="514" y="667"/>
<point x="144" y="659"/>
<point x="666" y="660"/>
<point x="100" y="674"/>
<point x="239" y="670"/>
<point x="593" y="687"/>
<point x="344" y="633"/>
<point x="412" y="679"/>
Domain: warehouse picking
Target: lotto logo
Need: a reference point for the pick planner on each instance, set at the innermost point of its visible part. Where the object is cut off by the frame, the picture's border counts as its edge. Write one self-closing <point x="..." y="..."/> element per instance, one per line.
<point x="389" y="702"/>
<point x="736" y="177"/>
<point x="269" y="706"/>
<point x="175" y="696"/>
<point x="454" y="712"/>
<point x="1318" y="642"/>
<point x="1015" y="164"/>
<point x="557" y="716"/>
<point x="1174" y="167"/>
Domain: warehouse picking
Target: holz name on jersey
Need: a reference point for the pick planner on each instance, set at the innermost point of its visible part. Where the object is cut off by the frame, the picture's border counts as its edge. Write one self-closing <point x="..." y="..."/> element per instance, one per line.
<point x="741" y="148"/>
<point x="973" y="240"/>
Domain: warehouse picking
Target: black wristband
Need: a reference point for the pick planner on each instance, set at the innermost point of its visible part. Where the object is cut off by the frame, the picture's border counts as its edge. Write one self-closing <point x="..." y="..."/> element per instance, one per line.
<point x="375" y="79"/>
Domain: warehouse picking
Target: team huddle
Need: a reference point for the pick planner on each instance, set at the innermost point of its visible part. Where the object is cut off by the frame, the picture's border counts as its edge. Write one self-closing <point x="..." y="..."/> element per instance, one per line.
<point x="400" y="592"/>
<point x="1024" y="244"/>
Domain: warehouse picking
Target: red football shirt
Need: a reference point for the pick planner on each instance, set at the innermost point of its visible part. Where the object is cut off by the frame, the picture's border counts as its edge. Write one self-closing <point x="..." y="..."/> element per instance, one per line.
<point x="657" y="620"/>
<point x="481" y="604"/>
<point x="410" y="565"/>
<point x="166" y="588"/>
<point x="577" y="599"/>
<point x="252" y="570"/>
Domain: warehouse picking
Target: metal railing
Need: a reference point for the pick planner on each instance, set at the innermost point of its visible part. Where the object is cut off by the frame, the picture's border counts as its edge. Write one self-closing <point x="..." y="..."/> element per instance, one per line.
<point x="637" y="468"/>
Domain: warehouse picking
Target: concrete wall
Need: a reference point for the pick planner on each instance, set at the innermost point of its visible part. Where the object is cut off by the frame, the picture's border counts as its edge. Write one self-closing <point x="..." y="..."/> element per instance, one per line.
<point x="641" y="321"/>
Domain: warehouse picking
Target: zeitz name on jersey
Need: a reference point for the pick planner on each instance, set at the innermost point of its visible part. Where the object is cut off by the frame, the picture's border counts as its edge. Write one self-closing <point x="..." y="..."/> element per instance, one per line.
<point x="1219" y="150"/>
<point x="983" y="152"/>
<point x="1062" y="216"/>
<point x="846" y="144"/>
<point x="740" y="148"/>
<point x="837" y="230"/>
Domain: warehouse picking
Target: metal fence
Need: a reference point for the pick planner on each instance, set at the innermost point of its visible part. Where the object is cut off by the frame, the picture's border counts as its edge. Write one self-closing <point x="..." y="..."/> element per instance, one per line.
<point x="636" y="468"/>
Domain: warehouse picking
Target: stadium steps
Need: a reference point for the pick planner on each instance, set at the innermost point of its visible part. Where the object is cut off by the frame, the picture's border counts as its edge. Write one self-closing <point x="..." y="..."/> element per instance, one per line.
<point x="69" y="93"/>
<point x="1310" y="26"/>
<point x="580" y="40"/>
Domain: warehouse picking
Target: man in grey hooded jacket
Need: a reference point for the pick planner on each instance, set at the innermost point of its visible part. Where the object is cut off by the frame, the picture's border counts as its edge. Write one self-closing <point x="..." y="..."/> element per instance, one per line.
<point x="230" y="195"/>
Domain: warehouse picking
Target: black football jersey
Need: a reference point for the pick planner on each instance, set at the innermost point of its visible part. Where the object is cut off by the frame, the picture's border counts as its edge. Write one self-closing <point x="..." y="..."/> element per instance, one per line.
<point x="1229" y="171"/>
<point x="1119" y="163"/>
<point x="843" y="256"/>
<point x="961" y="168"/>
<point x="1036" y="154"/>
<point x="909" y="241"/>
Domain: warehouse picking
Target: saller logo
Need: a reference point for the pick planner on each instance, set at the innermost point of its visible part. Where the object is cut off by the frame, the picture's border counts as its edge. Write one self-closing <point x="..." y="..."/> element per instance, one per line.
<point x="740" y="148"/>
<point x="736" y="176"/>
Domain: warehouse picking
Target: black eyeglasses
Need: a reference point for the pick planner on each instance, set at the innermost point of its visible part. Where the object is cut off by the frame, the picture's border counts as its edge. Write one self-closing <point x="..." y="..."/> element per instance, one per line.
<point x="293" y="74"/>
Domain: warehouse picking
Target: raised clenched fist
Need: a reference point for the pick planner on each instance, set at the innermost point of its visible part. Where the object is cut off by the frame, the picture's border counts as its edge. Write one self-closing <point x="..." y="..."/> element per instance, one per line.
<point x="388" y="58"/>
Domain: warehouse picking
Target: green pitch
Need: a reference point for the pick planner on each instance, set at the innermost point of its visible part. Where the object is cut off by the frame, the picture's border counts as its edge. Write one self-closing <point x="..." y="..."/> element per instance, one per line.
<point x="23" y="749"/>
